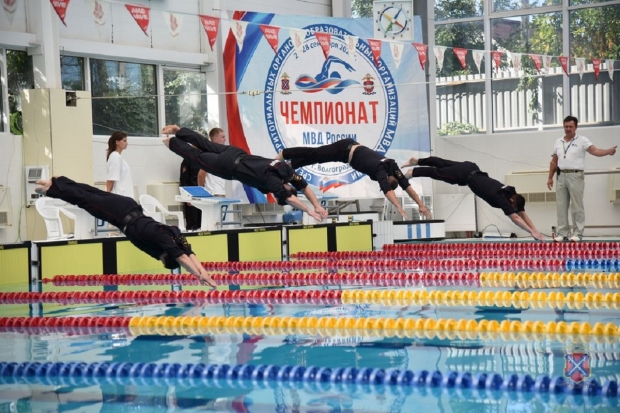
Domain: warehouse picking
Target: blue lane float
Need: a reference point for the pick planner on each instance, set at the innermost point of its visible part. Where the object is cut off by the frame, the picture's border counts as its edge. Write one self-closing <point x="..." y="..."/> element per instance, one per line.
<point x="607" y="265"/>
<point x="243" y="375"/>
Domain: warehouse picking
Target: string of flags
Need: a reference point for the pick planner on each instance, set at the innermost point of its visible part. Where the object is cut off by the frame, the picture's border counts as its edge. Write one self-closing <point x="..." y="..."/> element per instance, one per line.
<point x="174" y="21"/>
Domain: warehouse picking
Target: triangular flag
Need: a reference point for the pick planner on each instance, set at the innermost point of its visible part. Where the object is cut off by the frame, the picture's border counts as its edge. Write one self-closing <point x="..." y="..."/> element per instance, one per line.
<point x="271" y="35"/>
<point x="547" y="63"/>
<point x="497" y="58"/>
<point x="98" y="10"/>
<point x="564" y="61"/>
<point x="298" y="37"/>
<point x="10" y="7"/>
<point x="537" y="60"/>
<point x="596" y="64"/>
<point x="61" y="9"/>
<point x="440" y="52"/>
<point x="174" y="22"/>
<point x="351" y="42"/>
<point x="515" y="58"/>
<point x="610" y="67"/>
<point x="238" y="28"/>
<point x="461" y="54"/>
<point x="142" y="16"/>
<point x="375" y="47"/>
<point x="325" y="42"/>
<point x="421" y="49"/>
<point x="397" y="49"/>
<point x="580" y="62"/>
<point x="211" y="25"/>
<point x="478" y="56"/>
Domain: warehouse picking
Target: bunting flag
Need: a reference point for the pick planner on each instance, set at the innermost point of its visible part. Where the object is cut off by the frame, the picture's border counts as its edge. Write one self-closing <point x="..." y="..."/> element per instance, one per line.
<point x="174" y="22"/>
<point x="10" y="7"/>
<point x="610" y="68"/>
<point x="211" y="25"/>
<point x="98" y="10"/>
<point x="324" y="40"/>
<point x="397" y="49"/>
<point x="478" y="56"/>
<point x="497" y="58"/>
<point x="440" y="53"/>
<point x="142" y="16"/>
<point x="515" y="58"/>
<point x="298" y="36"/>
<point x="351" y="42"/>
<point x="547" y="64"/>
<point x="564" y="62"/>
<point x="596" y="64"/>
<point x="239" y="28"/>
<point x="580" y="62"/>
<point x="61" y="9"/>
<point x="537" y="60"/>
<point x="421" y="49"/>
<point x="271" y="35"/>
<point x="375" y="47"/>
<point x="461" y="54"/>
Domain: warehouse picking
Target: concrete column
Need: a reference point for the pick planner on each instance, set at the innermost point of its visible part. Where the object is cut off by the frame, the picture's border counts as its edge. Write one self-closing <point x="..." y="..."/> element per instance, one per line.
<point x="341" y="8"/>
<point x="43" y="21"/>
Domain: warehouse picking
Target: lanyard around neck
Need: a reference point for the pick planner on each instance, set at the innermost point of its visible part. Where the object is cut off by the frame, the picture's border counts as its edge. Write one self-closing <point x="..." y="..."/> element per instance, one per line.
<point x="566" y="148"/>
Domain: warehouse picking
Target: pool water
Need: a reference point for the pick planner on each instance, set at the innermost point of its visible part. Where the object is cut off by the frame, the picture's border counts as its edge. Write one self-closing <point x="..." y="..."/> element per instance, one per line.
<point x="382" y="350"/>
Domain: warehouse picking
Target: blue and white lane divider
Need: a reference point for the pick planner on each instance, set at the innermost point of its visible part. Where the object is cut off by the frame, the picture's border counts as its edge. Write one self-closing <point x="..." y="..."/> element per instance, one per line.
<point x="242" y="374"/>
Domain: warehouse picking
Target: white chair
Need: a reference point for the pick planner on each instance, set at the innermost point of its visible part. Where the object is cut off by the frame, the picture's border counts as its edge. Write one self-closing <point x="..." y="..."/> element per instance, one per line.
<point x="50" y="212"/>
<point x="154" y="209"/>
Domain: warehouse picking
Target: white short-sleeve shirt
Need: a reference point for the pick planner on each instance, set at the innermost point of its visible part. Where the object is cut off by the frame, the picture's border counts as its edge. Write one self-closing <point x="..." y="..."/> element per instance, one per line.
<point x="572" y="155"/>
<point x="215" y="185"/>
<point x="119" y="172"/>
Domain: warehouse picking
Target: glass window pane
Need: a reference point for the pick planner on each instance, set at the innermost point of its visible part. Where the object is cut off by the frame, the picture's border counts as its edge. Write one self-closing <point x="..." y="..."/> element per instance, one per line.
<point x="186" y="99"/>
<point x="19" y="76"/>
<point x="502" y="5"/>
<point x="525" y="98"/>
<point x="459" y="9"/>
<point x="129" y="101"/>
<point x="461" y="105"/>
<point x="578" y="2"/>
<point x="72" y="72"/>
<point x="595" y="33"/>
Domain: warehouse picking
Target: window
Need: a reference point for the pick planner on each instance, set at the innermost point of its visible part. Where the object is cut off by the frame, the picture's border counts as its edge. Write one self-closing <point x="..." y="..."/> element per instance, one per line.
<point x="72" y="72"/>
<point x="124" y="98"/>
<point x="504" y="5"/>
<point x="450" y="9"/>
<point x="461" y="103"/>
<point x="595" y="34"/>
<point x="19" y="77"/>
<point x="186" y="100"/>
<point x="525" y="98"/>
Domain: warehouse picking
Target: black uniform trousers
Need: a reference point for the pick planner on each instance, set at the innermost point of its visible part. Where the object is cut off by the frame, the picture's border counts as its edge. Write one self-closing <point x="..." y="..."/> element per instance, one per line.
<point x="334" y="152"/>
<point x="213" y="158"/>
<point x="451" y="172"/>
<point x="103" y="205"/>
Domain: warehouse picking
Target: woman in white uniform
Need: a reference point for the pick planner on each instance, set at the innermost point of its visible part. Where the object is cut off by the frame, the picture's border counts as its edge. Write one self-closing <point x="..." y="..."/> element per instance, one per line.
<point x="118" y="173"/>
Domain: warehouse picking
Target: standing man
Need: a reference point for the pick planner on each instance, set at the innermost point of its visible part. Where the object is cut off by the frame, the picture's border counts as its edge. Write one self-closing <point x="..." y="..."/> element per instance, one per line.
<point x="568" y="161"/>
<point x="212" y="183"/>
<point x="189" y="177"/>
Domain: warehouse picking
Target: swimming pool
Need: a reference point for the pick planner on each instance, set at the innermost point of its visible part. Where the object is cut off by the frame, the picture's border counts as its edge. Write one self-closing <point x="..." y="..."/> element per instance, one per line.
<point x="420" y="327"/>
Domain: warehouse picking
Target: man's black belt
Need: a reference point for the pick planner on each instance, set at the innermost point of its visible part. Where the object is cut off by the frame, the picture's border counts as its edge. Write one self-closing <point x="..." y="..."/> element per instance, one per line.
<point x="130" y="217"/>
<point x="571" y="171"/>
<point x="471" y="175"/>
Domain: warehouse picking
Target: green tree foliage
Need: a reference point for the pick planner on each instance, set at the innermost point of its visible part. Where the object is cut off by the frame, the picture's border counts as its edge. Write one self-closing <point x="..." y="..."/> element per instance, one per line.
<point x="361" y="8"/>
<point x="595" y="32"/>
<point x="130" y="102"/>
<point x="186" y="101"/>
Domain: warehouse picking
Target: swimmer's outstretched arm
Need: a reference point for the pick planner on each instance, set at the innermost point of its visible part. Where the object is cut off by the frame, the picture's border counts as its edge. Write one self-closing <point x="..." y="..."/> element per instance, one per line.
<point x="193" y="265"/>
